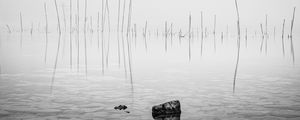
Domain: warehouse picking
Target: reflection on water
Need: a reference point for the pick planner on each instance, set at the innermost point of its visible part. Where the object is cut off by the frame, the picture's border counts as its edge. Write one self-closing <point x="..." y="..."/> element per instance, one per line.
<point x="267" y="86"/>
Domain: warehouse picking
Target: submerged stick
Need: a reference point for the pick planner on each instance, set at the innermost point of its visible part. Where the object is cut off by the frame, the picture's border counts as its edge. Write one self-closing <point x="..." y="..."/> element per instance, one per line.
<point x="98" y="29"/>
<point x="202" y="33"/>
<point x="274" y="32"/>
<point x="214" y="32"/>
<point x="166" y="36"/>
<point x="31" y="30"/>
<point x="71" y="34"/>
<point x="190" y="25"/>
<point x="266" y="31"/>
<point x="145" y="35"/>
<point x="282" y="37"/>
<point x="78" y="23"/>
<point x="55" y="64"/>
<point x="238" y="45"/>
<point x="46" y="30"/>
<point x="171" y="33"/>
<point x="85" y="49"/>
<point x="246" y="38"/>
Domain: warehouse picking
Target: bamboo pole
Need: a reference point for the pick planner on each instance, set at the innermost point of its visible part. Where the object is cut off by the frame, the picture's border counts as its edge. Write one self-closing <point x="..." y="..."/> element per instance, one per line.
<point x="291" y="36"/>
<point x="128" y="43"/>
<point x="85" y="49"/>
<point x="166" y="36"/>
<point x="118" y="24"/>
<point x="71" y="34"/>
<point x="262" y="37"/>
<point x="282" y="37"/>
<point x="46" y="31"/>
<point x="78" y="42"/>
<point x="190" y="27"/>
<point x="246" y="38"/>
<point x="123" y="15"/>
<point x="202" y="33"/>
<point x="21" y="22"/>
<point x="57" y="14"/>
<point x="64" y="15"/>
<point x="214" y="32"/>
<point x="238" y="45"/>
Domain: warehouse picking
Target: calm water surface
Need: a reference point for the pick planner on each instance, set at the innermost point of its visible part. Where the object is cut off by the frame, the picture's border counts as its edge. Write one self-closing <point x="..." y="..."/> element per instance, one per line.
<point x="267" y="86"/>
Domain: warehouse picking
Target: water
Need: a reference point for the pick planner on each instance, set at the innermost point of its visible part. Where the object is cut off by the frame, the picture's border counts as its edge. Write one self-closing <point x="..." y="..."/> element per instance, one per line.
<point x="267" y="85"/>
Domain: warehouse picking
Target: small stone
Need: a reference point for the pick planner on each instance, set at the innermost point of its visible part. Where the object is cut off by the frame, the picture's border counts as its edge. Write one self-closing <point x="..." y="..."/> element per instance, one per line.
<point x="120" y="107"/>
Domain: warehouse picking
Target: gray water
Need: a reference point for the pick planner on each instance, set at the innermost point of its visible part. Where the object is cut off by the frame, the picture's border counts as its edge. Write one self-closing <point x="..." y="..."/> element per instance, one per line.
<point x="267" y="85"/>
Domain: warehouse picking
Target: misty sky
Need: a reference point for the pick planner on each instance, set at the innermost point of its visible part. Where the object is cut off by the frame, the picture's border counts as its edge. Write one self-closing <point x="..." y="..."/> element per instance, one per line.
<point x="156" y="12"/>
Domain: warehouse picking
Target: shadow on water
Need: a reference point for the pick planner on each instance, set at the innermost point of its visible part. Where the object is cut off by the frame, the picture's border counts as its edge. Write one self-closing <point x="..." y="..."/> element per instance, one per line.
<point x="167" y="117"/>
<point x="21" y="39"/>
<point x="46" y="48"/>
<point x="292" y="50"/>
<point x="102" y="50"/>
<point x="55" y="64"/>
<point x="108" y="49"/>
<point x="124" y="56"/>
<point x="85" y="55"/>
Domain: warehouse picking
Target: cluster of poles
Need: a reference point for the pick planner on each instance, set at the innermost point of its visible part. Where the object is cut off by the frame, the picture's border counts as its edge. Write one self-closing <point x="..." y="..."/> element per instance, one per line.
<point x="124" y="45"/>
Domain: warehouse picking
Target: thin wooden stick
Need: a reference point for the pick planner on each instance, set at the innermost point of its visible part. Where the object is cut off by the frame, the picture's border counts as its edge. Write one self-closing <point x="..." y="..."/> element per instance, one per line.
<point x="55" y="64"/>
<point x="85" y="49"/>
<point x="190" y="27"/>
<point x="123" y="16"/>
<point x="98" y="28"/>
<point x="291" y="36"/>
<point x="31" y="30"/>
<point x="46" y="30"/>
<point x="214" y="32"/>
<point x="238" y="45"/>
<point x="71" y="34"/>
<point x="78" y="43"/>
<point x="8" y="28"/>
<point x="282" y="37"/>
<point x="262" y="37"/>
<point x="266" y="31"/>
<point x="292" y="23"/>
<point x="108" y="16"/>
<point x="65" y="21"/>
<point x="145" y="35"/>
<point x="118" y="24"/>
<point x="57" y="14"/>
<point x="21" y="22"/>
<point x="202" y="33"/>
<point x="246" y="38"/>
<point x="128" y="42"/>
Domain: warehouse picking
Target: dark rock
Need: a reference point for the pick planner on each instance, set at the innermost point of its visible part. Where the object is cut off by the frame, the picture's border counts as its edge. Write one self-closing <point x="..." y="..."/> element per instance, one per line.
<point x="165" y="109"/>
<point x="121" y="107"/>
